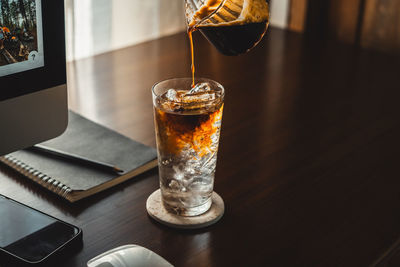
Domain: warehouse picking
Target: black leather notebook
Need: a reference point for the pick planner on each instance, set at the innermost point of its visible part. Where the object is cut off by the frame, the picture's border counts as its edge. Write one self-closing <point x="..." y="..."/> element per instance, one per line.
<point x="74" y="180"/>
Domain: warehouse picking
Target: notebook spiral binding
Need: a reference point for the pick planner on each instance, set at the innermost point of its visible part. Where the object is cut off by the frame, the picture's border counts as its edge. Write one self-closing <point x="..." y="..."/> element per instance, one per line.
<point x="41" y="178"/>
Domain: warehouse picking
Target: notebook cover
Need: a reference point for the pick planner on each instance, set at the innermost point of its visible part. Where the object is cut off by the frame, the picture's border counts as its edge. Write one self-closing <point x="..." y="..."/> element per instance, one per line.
<point x="91" y="140"/>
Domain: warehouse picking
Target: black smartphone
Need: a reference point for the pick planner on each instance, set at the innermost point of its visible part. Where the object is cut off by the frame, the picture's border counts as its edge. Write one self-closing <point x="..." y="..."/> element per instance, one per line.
<point x="30" y="237"/>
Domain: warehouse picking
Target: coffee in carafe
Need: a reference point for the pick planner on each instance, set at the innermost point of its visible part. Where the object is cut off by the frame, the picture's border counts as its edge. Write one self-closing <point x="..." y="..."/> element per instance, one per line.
<point x="232" y="26"/>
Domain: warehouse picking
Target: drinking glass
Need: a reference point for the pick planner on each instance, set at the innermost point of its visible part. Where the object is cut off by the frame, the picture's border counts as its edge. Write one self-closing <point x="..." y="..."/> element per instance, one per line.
<point x="188" y="124"/>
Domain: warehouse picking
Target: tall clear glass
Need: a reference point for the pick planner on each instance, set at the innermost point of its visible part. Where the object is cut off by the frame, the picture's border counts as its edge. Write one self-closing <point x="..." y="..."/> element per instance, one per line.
<point x="188" y="125"/>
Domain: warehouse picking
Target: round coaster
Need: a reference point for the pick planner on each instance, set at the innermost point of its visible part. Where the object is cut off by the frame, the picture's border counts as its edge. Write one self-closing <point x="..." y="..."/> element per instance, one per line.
<point x="156" y="210"/>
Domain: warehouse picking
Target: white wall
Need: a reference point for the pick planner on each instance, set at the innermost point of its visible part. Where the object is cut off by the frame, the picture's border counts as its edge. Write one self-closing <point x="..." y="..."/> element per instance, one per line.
<point x="135" y="21"/>
<point x="98" y="26"/>
<point x="279" y="13"/>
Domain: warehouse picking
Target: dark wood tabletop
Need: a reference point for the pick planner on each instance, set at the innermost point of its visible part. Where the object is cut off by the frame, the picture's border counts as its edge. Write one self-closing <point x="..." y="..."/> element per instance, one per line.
<point x="308" y="164"/>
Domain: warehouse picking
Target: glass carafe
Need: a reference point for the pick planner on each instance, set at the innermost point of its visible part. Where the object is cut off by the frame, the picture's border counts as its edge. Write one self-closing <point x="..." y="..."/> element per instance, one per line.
<point x="232" y="26"/>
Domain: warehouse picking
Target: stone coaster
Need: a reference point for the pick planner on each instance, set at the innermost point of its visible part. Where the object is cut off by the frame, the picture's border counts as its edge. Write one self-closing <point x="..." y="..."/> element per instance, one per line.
<point x="157" y="211"/>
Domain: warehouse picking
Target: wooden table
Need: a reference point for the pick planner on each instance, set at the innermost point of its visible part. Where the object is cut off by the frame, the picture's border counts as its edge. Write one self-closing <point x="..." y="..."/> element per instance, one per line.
<point x="308" y="165"/>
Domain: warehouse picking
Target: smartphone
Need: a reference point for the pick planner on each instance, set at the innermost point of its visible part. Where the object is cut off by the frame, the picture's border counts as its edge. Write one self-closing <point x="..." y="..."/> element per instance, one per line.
<point x="30" y="237"/>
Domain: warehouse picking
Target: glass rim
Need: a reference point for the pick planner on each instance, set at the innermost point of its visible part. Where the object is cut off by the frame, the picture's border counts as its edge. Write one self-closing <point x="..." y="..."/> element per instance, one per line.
<point x="190" y="79"/>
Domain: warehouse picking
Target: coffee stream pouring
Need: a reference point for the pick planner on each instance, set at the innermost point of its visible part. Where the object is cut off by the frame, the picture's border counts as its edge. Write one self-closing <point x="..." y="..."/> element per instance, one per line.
<point x="232" y="26"/>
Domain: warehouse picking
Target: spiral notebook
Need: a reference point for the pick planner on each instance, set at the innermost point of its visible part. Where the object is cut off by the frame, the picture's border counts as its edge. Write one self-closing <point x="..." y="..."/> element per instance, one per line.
<point x="74" y="181"/>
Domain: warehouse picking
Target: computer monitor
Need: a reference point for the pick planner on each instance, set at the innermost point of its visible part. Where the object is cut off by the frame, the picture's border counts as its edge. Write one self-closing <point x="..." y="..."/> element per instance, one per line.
<point x="33" y="92"/>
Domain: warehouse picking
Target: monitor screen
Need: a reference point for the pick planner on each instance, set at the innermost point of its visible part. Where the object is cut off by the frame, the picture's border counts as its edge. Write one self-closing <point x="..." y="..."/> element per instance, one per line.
<point x="32" y="48"/>
<point x="33" y="93"/>
<point x="21" y="36"/>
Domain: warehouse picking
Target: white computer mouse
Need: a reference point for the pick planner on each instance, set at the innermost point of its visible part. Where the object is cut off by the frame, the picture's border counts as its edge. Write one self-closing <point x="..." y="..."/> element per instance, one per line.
<point x="129" y="256"/>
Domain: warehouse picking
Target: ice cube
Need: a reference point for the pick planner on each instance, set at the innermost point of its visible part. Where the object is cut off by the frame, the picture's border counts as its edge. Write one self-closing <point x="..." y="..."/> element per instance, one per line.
<point x="171" y="95"/>
<point x="199" y="97"/>
<point x="179" y="174"/>
<point x="201" y="92"/>
<point x="199" y="88"/>
<point x="175" y="185"/>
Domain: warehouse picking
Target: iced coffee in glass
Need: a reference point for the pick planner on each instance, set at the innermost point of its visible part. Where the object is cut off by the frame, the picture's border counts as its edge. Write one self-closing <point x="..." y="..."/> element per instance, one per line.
<point x="188" y="124"/>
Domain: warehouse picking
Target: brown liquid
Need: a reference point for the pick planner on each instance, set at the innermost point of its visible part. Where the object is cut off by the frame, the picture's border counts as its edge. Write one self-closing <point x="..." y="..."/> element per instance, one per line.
<point x="176" y="131"/>
<point x="236" y="39"/>
<point x="230" y="40"/>
<point x="233" y="38"/>
<point x="190" y="33"/>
